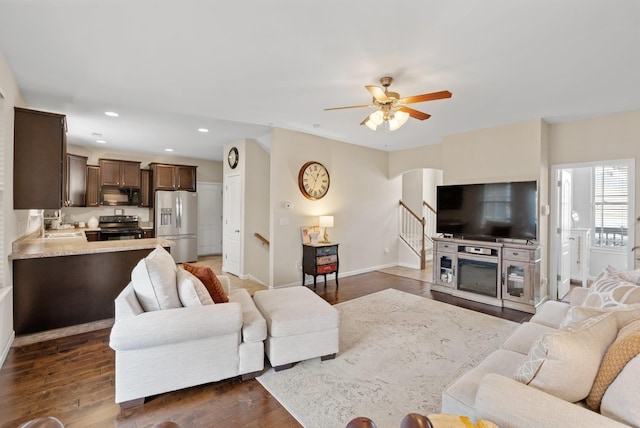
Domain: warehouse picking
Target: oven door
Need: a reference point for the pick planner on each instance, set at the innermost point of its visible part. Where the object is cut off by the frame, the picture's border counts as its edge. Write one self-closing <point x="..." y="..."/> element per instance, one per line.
<point x="117" y="235"/>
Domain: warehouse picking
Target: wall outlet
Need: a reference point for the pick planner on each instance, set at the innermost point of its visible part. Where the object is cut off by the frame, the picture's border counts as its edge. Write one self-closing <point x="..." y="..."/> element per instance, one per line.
<point x="298" y="265"/>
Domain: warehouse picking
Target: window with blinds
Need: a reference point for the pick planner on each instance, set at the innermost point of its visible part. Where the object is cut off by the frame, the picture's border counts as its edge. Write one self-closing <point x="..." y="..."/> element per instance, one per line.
<point x="610" y="205"/>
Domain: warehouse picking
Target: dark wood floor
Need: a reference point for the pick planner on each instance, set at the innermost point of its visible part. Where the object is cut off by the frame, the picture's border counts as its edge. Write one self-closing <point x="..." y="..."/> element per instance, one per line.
<point x="72" y="378"/>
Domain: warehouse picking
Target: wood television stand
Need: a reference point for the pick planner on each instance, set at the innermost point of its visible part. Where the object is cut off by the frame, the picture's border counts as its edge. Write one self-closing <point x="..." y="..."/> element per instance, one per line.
<point x="496" y="273"/>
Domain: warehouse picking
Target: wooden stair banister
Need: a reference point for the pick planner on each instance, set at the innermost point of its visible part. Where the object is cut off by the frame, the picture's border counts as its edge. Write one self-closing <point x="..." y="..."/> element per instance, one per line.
<point x="411" y="226"/>
<point x="262" y="239"/>
<point x="416" y="231"/>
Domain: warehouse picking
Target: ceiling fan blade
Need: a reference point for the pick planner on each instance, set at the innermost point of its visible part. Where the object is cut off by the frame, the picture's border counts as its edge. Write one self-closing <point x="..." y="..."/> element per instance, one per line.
<point x="342" y="108"/>
<point x="415" y="113"/>
<point x="377" y="93"/>
<point x="364" y="121"/>
<point x="425" y="97"/>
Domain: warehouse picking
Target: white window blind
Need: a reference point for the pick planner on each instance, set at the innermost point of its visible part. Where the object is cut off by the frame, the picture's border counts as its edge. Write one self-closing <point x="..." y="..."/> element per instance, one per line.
<point x="610" y="205"/>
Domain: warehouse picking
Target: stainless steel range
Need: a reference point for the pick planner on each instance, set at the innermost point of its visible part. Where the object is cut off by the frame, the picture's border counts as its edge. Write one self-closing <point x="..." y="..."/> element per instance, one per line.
<point x="117" y="227"/>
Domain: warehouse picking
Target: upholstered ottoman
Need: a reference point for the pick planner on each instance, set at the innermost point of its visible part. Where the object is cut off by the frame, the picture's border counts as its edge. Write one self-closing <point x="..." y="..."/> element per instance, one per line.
<point x="300" y="325"/>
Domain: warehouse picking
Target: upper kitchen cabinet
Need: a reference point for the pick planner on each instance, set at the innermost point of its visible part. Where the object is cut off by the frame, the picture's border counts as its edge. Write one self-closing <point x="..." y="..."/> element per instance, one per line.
<point x="145" y="189"/>
<point x="75" y="179"/>
<point x="119" y="173"/>
<point x="173" y="177"/>
<point x="93" y="186"/>
<point x="38" y="159"/>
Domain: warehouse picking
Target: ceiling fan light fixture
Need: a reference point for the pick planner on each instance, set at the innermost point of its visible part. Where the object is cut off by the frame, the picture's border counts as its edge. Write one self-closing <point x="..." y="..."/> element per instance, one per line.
<point x="377" y="117"/>
<point x="398" y="119"/>
<point x="372" y="126"/>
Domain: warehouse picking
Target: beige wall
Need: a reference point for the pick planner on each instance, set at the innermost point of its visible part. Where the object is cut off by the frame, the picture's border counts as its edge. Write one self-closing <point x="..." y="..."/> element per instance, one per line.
<point x="508" y="152"/>
<point x="257" y="220"/>
<point x="421" y="157"/>
<point x="512" y="152"/>
<point x="361" y="198"/>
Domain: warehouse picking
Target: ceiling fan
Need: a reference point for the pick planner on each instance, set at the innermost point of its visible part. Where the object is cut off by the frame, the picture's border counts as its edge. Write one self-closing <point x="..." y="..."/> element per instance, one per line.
<point x="391" y="108"/>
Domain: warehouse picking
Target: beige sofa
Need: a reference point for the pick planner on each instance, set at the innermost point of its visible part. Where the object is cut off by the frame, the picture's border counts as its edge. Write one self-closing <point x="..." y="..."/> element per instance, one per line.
<point x="490" y="392"/>
<point x="167" y="349"/>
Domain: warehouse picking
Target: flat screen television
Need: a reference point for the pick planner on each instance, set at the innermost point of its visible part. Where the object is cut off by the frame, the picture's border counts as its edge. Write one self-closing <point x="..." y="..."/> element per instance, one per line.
<point x="489" y="211"/>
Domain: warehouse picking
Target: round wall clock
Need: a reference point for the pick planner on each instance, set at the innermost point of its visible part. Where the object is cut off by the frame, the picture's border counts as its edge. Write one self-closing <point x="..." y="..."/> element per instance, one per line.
<point x="233" y="157"/>
<point x="313" y="180"/>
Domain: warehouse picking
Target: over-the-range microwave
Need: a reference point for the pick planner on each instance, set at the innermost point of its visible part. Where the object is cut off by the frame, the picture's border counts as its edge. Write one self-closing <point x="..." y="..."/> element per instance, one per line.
<point x="113" y="196"/>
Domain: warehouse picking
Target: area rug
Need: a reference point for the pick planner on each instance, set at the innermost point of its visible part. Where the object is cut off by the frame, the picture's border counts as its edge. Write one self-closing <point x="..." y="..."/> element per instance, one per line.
<point x="398" y="352"/>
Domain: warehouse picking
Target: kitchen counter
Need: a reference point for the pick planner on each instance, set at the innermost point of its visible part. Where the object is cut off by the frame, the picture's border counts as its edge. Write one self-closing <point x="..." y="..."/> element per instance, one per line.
<point x="34" y="246"/>
<point x="64" y="281"/>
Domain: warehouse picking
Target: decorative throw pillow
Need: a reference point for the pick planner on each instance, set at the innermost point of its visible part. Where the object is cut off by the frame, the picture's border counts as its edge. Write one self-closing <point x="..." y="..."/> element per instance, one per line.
<point x="191" y="290"/>
<point x="611" y="290"/>
<point x="455" y="421"/>
<point x="154" y="282"/>
<point x="631" y="276"/>
<point x="625" y="348"/>
<point x="565" y="363"/>
<point x="163" y="256"/>
<point x="623" y="314"/>
<point x="210" y="281"/>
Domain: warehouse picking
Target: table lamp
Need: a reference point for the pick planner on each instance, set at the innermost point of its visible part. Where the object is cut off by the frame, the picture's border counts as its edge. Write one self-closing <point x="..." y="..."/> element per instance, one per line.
<point x="325" y="221"/>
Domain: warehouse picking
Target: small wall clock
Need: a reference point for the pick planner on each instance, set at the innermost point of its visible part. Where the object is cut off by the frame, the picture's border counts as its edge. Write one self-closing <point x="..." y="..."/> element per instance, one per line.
<point x="233" y="157"/>
<point x="313" y="180"/>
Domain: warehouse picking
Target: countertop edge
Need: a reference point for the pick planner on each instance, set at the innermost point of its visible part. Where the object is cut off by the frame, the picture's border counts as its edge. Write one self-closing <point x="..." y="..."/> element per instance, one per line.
<point x="39" y="249"/>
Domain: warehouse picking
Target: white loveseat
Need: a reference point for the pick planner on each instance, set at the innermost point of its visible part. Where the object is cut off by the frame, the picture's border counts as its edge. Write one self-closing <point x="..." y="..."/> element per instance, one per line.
<point x="169" y="349"/>
<point x="490" y="392"/>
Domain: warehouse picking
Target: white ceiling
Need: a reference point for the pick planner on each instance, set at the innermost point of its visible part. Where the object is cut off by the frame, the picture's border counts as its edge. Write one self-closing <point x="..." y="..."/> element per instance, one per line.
<point x="240" y="67"/>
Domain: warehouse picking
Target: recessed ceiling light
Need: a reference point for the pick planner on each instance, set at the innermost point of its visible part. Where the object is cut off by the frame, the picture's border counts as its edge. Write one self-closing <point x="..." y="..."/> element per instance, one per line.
<point x="203" y="130"/>
<point x="111" y="113"/>
<point x="101" y="141"/>
<point x="168" y="150"/>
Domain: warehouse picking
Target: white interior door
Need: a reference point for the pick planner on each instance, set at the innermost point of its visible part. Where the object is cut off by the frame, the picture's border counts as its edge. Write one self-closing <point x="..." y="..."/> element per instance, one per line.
<point x="232" y="225"/>
<point x="209" y="218"/>
<point x="564" y="232"/>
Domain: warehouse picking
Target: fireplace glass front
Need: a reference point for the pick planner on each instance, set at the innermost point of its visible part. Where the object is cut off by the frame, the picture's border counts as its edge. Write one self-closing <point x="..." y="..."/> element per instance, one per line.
<point x="476" y="276"/>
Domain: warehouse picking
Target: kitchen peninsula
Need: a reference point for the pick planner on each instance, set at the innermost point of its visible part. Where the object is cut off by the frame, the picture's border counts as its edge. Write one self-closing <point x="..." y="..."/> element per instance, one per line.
<point x="66" y="280"/>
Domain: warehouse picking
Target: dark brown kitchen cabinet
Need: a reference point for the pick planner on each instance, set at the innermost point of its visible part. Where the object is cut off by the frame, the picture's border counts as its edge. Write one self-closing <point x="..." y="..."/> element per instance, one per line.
<point x="148" y="233"/>
<point x="75" y="181"/>
<point x="173" y="177"/>
<point x="145" y="188"/>
<point x="93" y="186"/>
<point x="38" y="159"/>
<point x="92" y="235"/>
<point x="119" y="173"/>
<point x="186" y="178"/>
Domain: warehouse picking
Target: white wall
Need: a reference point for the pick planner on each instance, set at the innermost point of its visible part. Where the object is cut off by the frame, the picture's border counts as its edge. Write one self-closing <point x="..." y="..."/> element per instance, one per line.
<point x="362" y="199"/>
<point x="14" y="222"/>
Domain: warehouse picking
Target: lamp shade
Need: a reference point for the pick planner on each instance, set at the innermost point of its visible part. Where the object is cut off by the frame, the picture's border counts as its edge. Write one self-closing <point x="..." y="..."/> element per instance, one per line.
<point x="326" y="221"/>
<point x="399" y="119"/>
<point x="377" y="117"/>
<point x="372" y="126"/>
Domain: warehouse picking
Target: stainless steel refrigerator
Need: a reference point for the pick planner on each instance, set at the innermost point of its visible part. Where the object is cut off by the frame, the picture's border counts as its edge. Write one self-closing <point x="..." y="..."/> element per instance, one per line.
<point x="177" y="220"/>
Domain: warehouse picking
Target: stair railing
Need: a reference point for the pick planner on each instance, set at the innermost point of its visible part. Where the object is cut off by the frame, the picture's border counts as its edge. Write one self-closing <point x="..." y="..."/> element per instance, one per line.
<point x="412" y="232"/>
<point x="429" y="215"/>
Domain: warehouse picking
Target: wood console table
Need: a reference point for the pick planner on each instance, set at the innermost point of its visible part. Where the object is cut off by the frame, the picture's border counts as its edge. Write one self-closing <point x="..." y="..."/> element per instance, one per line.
<point x="320" y="259"/>
<point x="496" y="273"/>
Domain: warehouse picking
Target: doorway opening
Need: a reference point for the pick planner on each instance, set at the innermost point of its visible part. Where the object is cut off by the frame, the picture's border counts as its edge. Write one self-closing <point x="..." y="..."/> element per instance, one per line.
<point x="592" y="222"/>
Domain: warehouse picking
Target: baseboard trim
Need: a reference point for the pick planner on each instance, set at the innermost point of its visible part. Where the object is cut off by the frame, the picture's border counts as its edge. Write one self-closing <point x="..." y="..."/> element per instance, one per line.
<point x="331" y="276"/>
<point x="6" y="348"/>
